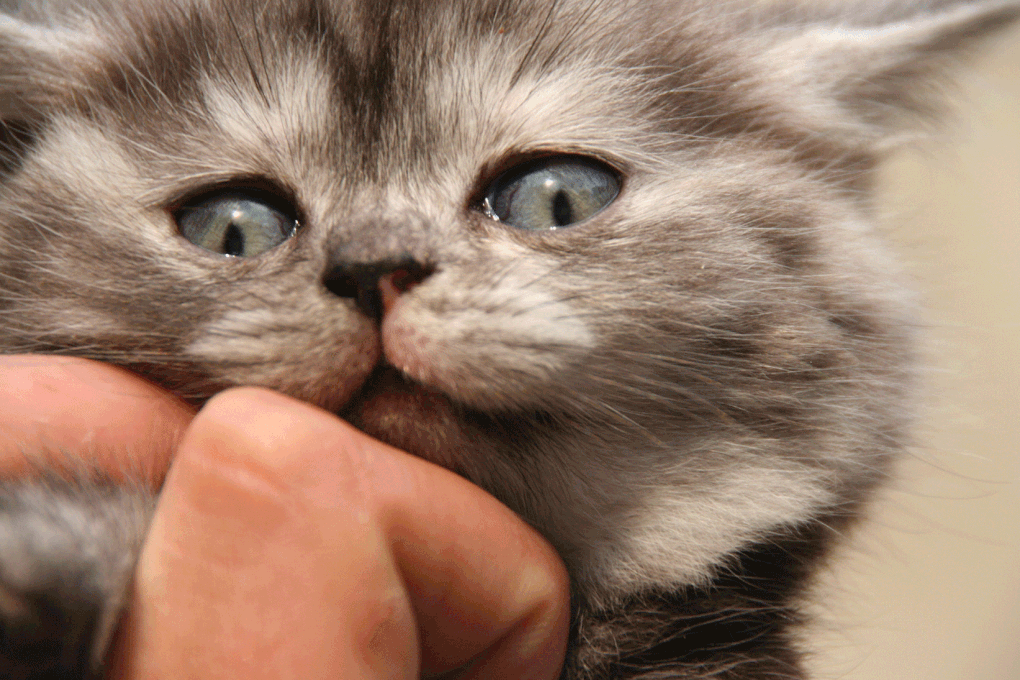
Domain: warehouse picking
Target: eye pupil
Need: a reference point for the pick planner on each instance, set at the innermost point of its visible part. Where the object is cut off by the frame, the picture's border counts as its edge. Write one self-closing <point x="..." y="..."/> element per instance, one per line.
<point x="562" y="213"/>
<point x="233" y="241"/>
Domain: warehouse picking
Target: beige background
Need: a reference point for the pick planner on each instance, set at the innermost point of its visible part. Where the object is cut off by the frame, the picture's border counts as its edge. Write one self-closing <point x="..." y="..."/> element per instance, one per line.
<point x="931" y="588"/>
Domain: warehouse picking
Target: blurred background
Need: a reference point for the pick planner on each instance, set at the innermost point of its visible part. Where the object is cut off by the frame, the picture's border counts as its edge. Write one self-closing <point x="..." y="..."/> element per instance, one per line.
<point x="930" y="588"/>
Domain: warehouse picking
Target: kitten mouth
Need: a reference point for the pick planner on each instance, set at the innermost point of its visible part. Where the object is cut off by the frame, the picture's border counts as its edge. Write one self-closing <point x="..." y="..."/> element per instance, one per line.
<point x="384" y="382"/>
<point x="407" y="415"/>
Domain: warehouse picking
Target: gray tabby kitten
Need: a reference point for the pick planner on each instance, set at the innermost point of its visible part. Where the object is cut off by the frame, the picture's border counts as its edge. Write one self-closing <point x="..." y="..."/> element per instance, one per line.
<point x="612" y="260"/>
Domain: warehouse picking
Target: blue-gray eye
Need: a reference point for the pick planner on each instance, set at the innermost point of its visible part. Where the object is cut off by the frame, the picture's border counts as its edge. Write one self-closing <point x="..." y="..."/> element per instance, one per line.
<point x="235" y="223"/>
<point x="552" y="192"/>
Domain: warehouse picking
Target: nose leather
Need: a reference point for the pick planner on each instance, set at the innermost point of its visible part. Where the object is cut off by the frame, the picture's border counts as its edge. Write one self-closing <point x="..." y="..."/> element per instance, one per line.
<point x="360" y="281"/>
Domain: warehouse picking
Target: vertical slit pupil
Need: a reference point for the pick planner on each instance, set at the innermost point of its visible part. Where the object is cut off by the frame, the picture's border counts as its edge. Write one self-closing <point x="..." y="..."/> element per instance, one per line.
<point x="561" y="212"/>
<point x="233" y="241"/>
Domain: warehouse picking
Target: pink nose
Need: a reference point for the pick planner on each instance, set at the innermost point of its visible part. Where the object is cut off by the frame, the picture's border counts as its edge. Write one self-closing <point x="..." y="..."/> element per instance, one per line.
<point x="394" y="284"/>
<point x="375" y="287"/>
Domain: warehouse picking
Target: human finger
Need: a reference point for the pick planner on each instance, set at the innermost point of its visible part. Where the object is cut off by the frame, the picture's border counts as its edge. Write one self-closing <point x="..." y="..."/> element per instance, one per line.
<point x="490" y="595"/>
<point x="71" y="414"/>
<point x="288" y="544"/>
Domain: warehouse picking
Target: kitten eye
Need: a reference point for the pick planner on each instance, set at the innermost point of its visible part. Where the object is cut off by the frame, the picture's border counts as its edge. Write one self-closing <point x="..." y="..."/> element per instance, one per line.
<point x="235" y="223"/>
<point x="551" y="193"/>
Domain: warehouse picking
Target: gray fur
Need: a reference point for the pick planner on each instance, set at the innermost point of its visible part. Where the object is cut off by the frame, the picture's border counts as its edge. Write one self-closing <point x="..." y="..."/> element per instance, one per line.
<point x="698" y="387"/>
<point x="68" y="555"/>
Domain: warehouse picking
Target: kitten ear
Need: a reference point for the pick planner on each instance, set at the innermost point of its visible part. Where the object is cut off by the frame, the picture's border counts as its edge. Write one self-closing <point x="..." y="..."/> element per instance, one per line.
<point x="881" y="66"/>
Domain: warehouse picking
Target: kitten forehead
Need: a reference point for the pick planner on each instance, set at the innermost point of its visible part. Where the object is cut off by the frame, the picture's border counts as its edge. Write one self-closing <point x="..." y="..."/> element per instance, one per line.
<point x="584" y="109"/>
<point x="297" y="107"/>
<point x="587" y="104"/>
<point x="563" y="110"/>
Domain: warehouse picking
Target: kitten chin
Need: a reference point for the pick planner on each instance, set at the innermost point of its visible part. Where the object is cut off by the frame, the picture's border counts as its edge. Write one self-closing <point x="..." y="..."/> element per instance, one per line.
<point x="410" y="417"/>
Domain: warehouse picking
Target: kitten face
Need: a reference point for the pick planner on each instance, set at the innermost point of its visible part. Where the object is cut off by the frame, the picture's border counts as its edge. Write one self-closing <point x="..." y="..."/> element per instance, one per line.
<point x="717" y="355"/>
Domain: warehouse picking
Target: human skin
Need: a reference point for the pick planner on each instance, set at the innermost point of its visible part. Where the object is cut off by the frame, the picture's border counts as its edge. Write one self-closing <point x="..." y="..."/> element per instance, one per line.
<point x="286" y="543"/>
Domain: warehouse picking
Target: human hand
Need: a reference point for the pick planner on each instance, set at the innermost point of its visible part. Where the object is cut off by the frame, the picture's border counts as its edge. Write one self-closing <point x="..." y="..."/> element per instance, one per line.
<point x="287" y="544"/>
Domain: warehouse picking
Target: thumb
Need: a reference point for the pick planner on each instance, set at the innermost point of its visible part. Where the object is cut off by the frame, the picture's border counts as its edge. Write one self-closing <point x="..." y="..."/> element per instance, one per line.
<point x="263" y="560"/>
<point x="287" y="544"/>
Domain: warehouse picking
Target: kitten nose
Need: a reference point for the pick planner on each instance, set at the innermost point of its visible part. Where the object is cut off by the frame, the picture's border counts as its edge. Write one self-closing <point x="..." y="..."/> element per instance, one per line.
<point x="375" y="286"/>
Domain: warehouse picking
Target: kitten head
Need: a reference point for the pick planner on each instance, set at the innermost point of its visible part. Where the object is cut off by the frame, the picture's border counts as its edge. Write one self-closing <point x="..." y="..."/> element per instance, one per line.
<point x="612" y="261"/>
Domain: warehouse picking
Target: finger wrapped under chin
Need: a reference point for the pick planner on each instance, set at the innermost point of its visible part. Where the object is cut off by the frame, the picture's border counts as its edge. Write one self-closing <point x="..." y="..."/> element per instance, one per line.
<point x="289" y="544"/>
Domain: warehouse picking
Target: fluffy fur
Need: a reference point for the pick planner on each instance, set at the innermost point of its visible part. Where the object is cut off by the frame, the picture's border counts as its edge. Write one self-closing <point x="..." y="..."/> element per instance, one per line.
<point x="691" y="394"/>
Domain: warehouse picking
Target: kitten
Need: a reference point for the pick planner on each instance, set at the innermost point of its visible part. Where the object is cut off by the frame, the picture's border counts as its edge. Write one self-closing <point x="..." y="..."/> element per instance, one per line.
<point x="612" y="260"/>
